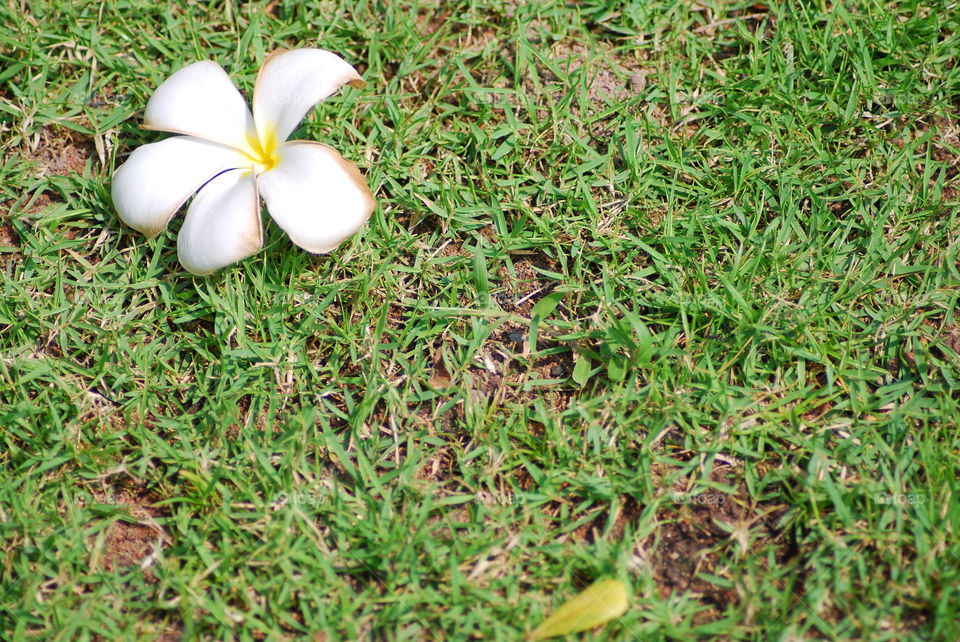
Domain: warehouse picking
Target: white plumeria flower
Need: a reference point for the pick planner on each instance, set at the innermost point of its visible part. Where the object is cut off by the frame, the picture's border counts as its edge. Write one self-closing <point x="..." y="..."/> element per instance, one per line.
<point x="234" y="157"/>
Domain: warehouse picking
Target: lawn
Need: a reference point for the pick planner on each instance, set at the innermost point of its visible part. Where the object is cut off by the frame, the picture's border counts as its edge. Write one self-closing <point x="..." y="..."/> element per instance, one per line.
<point x="659" y="291"/>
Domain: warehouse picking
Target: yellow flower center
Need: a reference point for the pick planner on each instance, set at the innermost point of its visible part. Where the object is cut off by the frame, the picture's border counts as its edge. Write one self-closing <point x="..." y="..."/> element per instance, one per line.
<point x="263" y="152"/>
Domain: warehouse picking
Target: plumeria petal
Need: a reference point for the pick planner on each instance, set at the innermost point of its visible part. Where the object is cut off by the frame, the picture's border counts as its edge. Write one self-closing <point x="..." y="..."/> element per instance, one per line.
<point x="157" y="178"/>
<point x="290" y="83"/>
<point x="316" y="196"/>
<point x="222" y="224"/>
<point x="202" y="101"/>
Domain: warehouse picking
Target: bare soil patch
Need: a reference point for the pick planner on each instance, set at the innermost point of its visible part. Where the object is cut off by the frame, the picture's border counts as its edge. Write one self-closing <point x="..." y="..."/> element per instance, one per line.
<point x="692" y="542"/>
<point x="606" y="80"/>
<point x="42" y="202"/>
<point x="128" y="545"/>
<point x="522" y="289"/>
<point x="60" y="151"/>
<point x="627" y="513"/>
<point x="128" y="542"/>
<point x="8" y="235"/>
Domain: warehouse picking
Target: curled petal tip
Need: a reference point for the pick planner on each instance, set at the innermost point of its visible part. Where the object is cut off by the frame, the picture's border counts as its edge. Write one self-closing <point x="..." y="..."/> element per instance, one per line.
<point x="290" y="83"/>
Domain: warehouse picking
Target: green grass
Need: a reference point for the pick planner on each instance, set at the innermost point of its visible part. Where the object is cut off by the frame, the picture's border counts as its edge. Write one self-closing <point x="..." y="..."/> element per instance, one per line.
<point x="660" y="291"/>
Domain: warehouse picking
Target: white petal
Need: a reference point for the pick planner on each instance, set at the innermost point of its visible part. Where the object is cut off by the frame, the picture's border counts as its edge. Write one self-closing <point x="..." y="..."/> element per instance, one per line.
<point x="222" y="224"/>
<point x="317" y="197"/>
<point x="157" y="178"/>
<point x="201" y="100"/>
<point x="290" y="83"/>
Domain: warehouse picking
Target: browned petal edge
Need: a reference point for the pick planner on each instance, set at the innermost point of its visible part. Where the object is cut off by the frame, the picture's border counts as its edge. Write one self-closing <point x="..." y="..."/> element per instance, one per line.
<point x="353" y="172"/>
<point x="356" y="81"/>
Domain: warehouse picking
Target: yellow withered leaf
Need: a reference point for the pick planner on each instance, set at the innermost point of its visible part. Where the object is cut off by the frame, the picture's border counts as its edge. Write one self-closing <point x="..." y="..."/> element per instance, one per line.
<point x="600" y="602"/>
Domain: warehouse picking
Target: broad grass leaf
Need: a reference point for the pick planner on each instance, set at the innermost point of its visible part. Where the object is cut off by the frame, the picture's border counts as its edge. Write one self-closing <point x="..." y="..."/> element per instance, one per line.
<point x="597" y="604"/>
<point x="581" y="370"/>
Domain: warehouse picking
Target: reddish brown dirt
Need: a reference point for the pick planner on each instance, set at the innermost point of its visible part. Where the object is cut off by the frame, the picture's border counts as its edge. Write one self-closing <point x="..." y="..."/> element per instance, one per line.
<point x="61" y="151"/>
<point x="129" y="543"/>
<point x="8" y="235"/>
<point x="627" y="514"/>
<point x="42" y="202"/>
